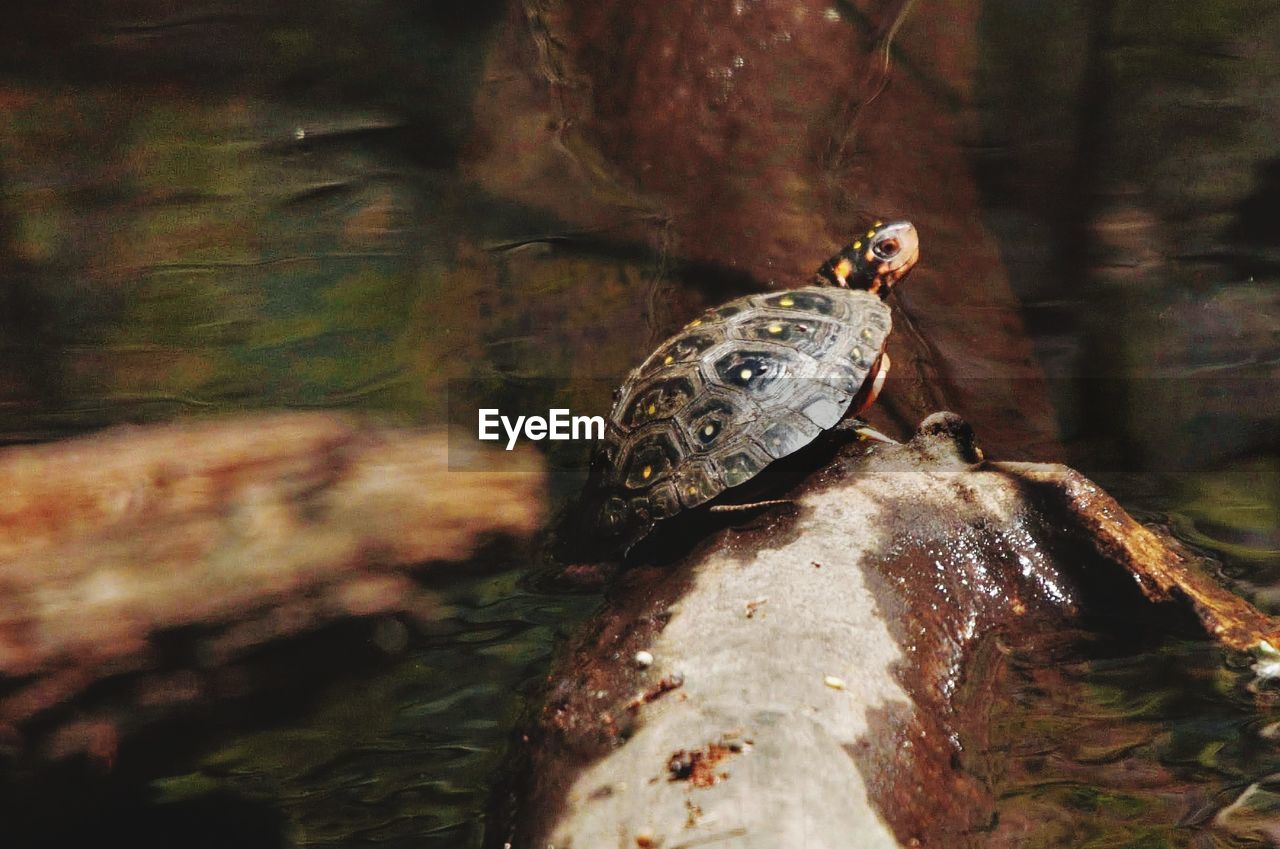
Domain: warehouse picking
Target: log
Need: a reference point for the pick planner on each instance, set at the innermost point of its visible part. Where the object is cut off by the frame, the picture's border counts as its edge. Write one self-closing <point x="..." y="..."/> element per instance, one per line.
<point x="238" y="530"/>
<point x="812" y="679"/>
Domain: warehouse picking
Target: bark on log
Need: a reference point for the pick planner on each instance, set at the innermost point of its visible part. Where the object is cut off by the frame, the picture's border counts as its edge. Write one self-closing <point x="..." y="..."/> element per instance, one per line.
<point x="812" y="681"/>
<point x="247" y="529"/>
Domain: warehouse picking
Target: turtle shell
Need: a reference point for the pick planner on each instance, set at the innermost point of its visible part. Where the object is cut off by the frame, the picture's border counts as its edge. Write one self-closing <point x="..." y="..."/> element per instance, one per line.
<point x="742" y="385"/>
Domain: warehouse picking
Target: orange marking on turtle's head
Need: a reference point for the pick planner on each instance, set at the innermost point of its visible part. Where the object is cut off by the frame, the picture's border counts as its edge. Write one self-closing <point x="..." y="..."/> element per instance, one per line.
<point x="843" y="269"/>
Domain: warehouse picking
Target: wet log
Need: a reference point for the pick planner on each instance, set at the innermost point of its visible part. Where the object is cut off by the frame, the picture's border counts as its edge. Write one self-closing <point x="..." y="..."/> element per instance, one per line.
<point x="231" y="533"/>
<point x="814" y="679"/>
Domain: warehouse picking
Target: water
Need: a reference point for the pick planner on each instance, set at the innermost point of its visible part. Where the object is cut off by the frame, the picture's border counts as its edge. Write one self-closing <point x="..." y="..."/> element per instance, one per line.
<point x="354" y="207"/>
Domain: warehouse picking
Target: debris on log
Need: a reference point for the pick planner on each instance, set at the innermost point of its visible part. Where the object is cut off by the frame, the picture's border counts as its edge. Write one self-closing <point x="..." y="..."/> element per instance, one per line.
<point x="816" y="675"/>
<point x="237" y="531"/>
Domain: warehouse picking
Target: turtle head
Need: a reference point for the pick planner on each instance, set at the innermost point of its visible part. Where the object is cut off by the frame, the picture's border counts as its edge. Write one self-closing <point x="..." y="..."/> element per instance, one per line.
<point x="876" y="260"/>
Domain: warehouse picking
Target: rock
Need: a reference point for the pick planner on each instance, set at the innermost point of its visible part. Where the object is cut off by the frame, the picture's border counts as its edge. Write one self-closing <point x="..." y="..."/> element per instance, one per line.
<point x="841" y="706"/>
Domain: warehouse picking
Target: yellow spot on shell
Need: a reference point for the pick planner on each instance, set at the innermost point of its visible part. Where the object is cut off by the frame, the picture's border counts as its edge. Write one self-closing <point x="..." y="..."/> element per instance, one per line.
<point x="843" y="268"/>
<point x="695" y="322"/>
<point x="786" y="301"/>
<point x="866" y="333"/>
<point x="709" y="430"/>
<point x="878" y="224"/>
<point x="857" y="353"/>
<point x="646" y="472"/>
<point x="668" y="360"/>
<point x="649" y="409"/>
<point x="745" y="374"/>
<point x="857" y="246"/>
<point x="692" y="490"/>
<point x="870" y="233"/>
<point x="775" y="328"/>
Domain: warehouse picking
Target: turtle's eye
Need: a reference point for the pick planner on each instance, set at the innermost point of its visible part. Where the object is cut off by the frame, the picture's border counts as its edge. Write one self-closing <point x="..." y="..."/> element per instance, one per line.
<point x="887" y="248"/>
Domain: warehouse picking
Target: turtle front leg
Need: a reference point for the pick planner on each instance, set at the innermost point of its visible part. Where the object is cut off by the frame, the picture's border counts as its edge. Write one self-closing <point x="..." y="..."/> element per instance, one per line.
<point x="866" y="431"/>
<point x="857" y="425"/>
<point x="877" y="383"/>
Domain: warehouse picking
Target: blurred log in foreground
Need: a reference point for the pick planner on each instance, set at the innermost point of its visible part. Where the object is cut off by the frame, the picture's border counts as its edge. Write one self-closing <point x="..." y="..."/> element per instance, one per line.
<point x="239" y="531"/>
<point x="824" y="680"/>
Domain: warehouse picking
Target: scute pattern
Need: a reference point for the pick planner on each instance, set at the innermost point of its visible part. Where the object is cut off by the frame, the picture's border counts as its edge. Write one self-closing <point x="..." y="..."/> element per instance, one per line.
<point x="810" y="300"/>
<point x="812" y="336"/>
<point x="708" y="420"/>
<point x="758" y="372"/>
<point x="660" y="399"/>
<point x="684" y="348"/>
<point x="651" y="459"/>
<point x="744" y="384"/>
<point x="787" y="434"/>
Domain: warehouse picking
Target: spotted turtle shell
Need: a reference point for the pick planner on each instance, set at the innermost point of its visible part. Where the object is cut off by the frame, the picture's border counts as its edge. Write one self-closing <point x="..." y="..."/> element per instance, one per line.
<point x="744" y="384"/>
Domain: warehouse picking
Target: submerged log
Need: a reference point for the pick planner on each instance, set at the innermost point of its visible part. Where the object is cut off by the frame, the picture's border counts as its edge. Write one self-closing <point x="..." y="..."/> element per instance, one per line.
<point x="756" y="139"/>
<point x="233" y="532"/>
<point x="810" y="680"/>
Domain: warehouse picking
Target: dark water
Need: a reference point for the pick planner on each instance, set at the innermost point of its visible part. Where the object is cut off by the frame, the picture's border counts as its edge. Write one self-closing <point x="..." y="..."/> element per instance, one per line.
<point x="1131" y="180"/>
<point x="350" y="206"/>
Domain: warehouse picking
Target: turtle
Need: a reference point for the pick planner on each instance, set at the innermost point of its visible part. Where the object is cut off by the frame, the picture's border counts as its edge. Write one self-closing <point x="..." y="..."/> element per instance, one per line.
<point x="743" y="385"/>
